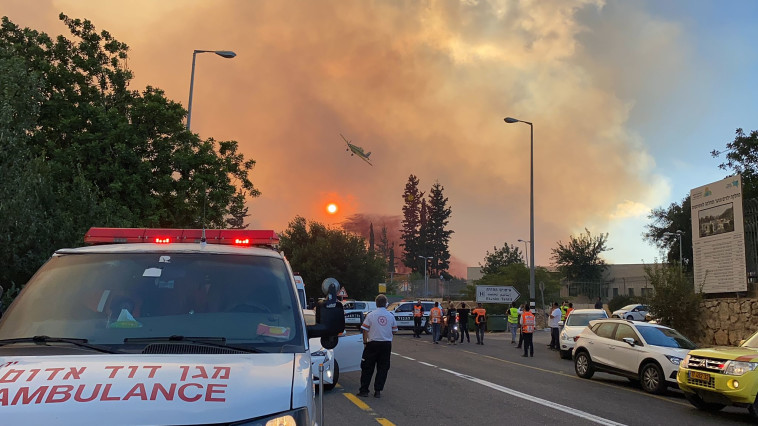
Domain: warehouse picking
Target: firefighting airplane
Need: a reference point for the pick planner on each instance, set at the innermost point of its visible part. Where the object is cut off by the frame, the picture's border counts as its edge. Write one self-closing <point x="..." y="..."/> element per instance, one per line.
<point x="356" y="150"/>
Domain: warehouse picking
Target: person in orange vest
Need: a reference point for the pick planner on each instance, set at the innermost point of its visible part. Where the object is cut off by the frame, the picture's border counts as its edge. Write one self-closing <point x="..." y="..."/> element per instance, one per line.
<point x="527" y="331"/>
<point x="568" y="312"/>
<point x="480" y="316"/>
<point x="435" y="316"/>
<point x="418" y="315"/>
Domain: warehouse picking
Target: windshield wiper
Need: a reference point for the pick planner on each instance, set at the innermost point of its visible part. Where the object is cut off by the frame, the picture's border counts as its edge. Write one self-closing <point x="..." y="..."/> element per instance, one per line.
<point x="218" y="342"/>
<point x="43" y="340"/>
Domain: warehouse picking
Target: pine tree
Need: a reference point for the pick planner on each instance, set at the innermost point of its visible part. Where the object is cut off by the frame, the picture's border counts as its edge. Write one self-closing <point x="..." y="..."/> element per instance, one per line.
<point x="410" y="232"/>
<point x="438" y="236"/>
<point x="384" y="244"/>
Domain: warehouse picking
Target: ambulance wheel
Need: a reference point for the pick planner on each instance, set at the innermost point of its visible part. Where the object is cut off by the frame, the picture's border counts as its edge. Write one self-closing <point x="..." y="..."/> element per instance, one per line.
<point x="330" y="386"/>
<point x="428" y="328"/>
<point x="698" y="403"/>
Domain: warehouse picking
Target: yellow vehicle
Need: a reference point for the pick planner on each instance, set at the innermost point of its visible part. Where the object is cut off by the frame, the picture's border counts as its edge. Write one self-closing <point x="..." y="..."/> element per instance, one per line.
<point x="712" y="378"/>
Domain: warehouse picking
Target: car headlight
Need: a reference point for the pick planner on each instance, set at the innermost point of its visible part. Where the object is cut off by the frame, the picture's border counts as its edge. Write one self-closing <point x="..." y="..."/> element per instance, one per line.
<point x="565" y="336"/>
<point x="675" y="359"/>
<point x="685" y="362"/>
<point x="738" y="368"/>
<point x="287" y="418"/>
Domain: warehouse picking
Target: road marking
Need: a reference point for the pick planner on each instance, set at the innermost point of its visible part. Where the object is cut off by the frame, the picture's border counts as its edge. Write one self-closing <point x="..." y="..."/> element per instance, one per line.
<point x="354" y="399"/>
<point x="426" y="363"/>
<point x="573" y="411"/>
<point x="384" y="422"/>
<point x="408" y="358"/>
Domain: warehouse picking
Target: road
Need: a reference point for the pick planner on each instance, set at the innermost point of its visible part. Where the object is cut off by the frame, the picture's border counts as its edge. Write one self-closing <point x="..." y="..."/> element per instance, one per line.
<point x="492" y="384"/>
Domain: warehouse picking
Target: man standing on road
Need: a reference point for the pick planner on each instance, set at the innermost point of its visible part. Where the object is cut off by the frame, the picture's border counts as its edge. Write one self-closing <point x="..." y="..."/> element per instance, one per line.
<point x="452" y="319"/>
<point x="418" y="315"/>
<point x="599" y="304"/>
<point x="435" y="316"/>
<point x="521" y="329"/>
<point x="527" y="331"/>
<point x="481" y="321"/>
<point x="513" y="321"/>
<point x="463" y="321"/>
<point x="555" y="317"/>
<point x="378" y="328"/>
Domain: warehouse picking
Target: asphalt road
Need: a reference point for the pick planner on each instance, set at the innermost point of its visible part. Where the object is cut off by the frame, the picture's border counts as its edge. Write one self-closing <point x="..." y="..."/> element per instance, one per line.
<point x="492" y="384"/>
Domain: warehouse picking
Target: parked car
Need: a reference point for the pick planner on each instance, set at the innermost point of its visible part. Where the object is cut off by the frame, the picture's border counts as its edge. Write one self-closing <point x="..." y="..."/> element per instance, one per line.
<point x="713" y="378"/>
<point x="577" y="321"/>
<point x="635" y="312"/>
<point x="403" y="313"/>
<point x="356" y="311"/>
<point x="648" y="353"/>
<point x="344" y="358"/>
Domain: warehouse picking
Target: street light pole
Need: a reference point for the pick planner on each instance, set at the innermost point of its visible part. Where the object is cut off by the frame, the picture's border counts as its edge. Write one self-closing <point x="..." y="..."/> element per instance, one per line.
<point x="526" y="250"/>
<point x="678" y="233"/>
<point x="224" y="54"/>
<point x="510" y="120"/>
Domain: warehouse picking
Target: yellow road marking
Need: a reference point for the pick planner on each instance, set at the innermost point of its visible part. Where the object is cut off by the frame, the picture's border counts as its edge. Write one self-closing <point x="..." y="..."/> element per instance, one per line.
<point x="384" y="422"/>
<point x="354" y="399"/>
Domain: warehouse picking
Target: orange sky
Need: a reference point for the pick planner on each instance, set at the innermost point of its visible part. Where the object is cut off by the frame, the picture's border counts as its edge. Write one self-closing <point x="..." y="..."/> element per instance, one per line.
<point x="422" y="85"/>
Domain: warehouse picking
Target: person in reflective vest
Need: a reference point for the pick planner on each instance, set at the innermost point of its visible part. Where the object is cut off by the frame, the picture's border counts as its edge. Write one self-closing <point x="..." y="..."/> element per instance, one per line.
<point x="568" y="312"/>
<point x="513" y="321"/>
<point x="480" y="316"/>
<point x="527" y="331"/>
<point x="435" y="316"/>
<point x="418" y="315"/>
<point x="564" y="309"/>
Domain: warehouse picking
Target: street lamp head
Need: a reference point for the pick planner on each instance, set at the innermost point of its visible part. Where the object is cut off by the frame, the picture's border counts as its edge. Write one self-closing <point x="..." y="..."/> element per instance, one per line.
<point x="679" y="231"/>
<point x="524" y="241"/>
<point x="225" y="53"/>
<point x="511" y="120"/>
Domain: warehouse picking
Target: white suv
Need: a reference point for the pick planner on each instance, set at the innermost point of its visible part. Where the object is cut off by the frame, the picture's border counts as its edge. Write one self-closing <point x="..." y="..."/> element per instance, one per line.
<point x="576" y="322"/>
<point x="650" y="353"/>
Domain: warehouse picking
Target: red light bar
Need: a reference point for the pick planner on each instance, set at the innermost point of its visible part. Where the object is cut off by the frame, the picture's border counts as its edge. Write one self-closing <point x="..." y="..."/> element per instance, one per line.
<point x="245" y="237"/>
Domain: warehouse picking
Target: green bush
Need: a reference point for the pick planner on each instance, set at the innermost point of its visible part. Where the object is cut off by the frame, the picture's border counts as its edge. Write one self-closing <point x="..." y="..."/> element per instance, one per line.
<point x="620" y="301"/>
<point x="674" y="302"/>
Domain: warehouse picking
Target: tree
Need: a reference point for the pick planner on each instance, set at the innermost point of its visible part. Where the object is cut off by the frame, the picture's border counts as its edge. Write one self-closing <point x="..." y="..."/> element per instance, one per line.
<point x="438" y="236"/>
<point x="412" y="199"/>
<point x="580" y="260"/>
<point x="96" y="153"/>
<point x="742" y="158"/>
<point x="384" y="243"/>
<point x="674" y="302"/>
<point x="676" y="218"/>
<point x="500" y="258"/>
<point x="318" y="252"/>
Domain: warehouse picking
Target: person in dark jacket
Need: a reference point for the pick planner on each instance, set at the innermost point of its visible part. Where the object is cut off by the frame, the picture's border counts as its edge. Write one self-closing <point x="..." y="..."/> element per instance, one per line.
<point x="463" y="312"/>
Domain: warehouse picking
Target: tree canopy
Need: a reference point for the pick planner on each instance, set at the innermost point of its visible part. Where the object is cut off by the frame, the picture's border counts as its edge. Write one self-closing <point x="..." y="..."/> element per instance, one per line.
<point x="500" y="258"/>
<point x="318" y="252"/>
<point x="741" y="157"/>
<point x="80" y="149"/>
<point x="676" y="218"/>
<point x="580" y="260"/>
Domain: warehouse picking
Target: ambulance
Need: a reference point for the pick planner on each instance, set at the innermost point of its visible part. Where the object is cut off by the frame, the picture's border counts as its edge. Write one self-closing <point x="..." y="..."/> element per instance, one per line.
<point x="163" y="327"/>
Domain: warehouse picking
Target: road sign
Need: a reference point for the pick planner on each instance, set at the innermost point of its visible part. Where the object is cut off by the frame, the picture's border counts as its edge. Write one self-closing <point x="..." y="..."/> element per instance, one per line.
<point x="496" y="294"/>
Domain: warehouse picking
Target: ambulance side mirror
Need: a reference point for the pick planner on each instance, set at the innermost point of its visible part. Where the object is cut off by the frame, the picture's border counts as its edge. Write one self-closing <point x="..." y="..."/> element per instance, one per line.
<point x="330" y="316"/>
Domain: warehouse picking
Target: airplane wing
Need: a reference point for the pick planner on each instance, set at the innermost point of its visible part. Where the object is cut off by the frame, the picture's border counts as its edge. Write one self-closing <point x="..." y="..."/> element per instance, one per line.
<point x="346" y="141"/>
<point x="364" y="158"/>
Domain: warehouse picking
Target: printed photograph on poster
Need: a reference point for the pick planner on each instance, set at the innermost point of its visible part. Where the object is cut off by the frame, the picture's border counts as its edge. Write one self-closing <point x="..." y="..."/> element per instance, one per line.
<point x="716" y="220"/>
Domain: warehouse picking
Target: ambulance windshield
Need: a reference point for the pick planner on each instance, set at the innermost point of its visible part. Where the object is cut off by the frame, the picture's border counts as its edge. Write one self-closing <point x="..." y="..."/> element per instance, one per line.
<point x="109" y="297"/>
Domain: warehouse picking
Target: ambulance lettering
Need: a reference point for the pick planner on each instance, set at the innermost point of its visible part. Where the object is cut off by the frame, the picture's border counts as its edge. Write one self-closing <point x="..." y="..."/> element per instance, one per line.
<point x="197" y="383"/>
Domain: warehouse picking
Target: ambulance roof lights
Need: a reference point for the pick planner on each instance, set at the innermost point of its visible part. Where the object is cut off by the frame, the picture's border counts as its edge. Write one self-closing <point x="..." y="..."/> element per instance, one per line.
<point x="239" y="237"/>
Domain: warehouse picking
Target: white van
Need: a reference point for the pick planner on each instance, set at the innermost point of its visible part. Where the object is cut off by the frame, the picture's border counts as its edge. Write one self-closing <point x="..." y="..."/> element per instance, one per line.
<point x="166" y="327"/>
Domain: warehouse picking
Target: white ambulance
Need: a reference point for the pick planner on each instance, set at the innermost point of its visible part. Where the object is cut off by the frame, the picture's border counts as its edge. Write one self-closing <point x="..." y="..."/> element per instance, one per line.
<point x="162" y="327"/>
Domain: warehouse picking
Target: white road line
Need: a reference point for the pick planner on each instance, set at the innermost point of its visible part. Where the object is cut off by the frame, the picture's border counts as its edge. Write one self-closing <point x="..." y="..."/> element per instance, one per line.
<point x="573" y="411"/>
<point x="426" y="363"/>
<point x="408" y="358"/>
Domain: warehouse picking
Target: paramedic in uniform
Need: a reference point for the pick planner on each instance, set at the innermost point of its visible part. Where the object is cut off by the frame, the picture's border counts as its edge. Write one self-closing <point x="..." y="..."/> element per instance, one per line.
<point x="378" y="328"/>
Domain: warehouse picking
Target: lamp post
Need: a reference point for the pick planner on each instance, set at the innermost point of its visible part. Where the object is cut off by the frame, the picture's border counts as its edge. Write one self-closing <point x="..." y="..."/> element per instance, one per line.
<point x="678" y="233"/>
<point x="228" y="54"/>
<point x="426" y="276"/>
<point x="526" y="250"/>
<point x="511" y="120"/>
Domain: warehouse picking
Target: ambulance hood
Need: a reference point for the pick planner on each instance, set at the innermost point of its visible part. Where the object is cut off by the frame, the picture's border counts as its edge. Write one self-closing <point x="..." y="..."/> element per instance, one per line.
<point x="149" y="389"/>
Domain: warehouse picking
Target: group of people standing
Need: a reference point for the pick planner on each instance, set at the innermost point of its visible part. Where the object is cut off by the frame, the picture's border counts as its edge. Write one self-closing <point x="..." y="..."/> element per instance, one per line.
<point x="454" y="315"/>
<point x="557" y="315"/>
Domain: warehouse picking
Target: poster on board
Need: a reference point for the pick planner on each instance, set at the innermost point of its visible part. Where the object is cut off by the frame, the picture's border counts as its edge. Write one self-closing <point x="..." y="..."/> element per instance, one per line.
<point x="718" y="237"/>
